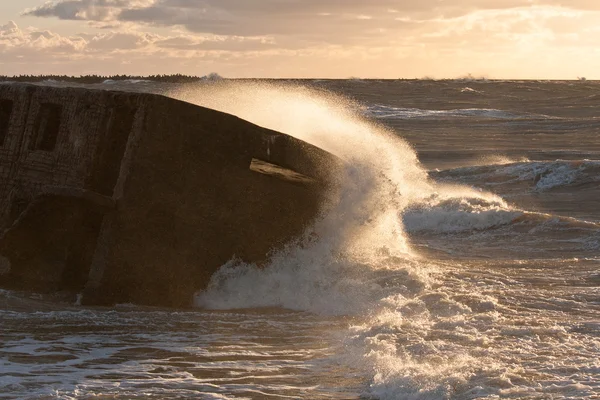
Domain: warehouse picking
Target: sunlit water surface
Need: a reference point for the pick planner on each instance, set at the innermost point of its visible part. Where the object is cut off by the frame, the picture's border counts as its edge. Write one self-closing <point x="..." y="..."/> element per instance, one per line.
<point x="460" y="260"/>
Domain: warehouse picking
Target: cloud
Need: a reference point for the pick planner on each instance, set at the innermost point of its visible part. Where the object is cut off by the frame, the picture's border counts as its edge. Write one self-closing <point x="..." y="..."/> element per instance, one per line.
<point x="35" y="45"/>
<point x="300" y="23"/>
<point x="87" y="10"/>
<point x="323" y="37"/>
<point x="347" y="21"/>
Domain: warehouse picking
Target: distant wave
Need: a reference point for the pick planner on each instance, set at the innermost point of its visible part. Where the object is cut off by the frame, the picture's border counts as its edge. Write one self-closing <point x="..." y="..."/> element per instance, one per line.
<point x="467" y="89"/>
<point x="389" y="112"/>
<point x="112" y="81"/>
<point x="542" y="175"/>
<point x="458" y="215"/>
<point x="474" y="227"/>
<point x="455" y="215"/>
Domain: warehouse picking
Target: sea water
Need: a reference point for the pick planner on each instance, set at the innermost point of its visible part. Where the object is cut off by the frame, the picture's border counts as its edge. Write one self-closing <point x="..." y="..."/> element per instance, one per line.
<point x="460" y="260"/>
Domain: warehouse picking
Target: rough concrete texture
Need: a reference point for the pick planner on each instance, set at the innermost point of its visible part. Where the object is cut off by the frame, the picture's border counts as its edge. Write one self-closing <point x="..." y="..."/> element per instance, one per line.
<point x="141" y="198"/>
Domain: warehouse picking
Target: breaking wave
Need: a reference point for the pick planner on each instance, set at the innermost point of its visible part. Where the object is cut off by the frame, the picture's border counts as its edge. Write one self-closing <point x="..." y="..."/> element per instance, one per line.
<point x="357" y="259"/>
<point x="458" y="215"/>
<point x="539" y="175"/>
<point x="472" y="214"/>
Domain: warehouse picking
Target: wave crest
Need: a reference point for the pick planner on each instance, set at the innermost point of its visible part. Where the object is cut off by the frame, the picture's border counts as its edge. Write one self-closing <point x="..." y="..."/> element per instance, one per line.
<point x="540" y="175"/>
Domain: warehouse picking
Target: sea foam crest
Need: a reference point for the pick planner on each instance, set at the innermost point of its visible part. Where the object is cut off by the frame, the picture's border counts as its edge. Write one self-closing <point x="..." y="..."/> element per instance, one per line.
<point x="458" y="214"/>
<point x="390" y="112"/>
<point x="540" y="175"/>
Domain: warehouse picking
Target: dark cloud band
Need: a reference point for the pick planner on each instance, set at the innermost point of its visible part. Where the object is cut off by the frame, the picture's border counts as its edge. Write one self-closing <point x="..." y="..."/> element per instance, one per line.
<point x="326" y="18"/>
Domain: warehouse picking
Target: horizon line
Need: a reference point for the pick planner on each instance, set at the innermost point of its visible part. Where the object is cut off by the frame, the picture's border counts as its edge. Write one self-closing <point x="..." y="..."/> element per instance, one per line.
<point x="215" y="76"/>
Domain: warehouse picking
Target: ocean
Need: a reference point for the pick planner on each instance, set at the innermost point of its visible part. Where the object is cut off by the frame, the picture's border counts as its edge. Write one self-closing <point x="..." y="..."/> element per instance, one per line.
<point x="459" y="260"/>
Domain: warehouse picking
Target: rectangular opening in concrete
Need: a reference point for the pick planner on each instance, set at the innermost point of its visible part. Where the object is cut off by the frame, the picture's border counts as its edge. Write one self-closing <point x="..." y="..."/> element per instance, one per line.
<point x="279" y="172"/>
<point x="6" y="107"/>
<point x="47" y="127"/>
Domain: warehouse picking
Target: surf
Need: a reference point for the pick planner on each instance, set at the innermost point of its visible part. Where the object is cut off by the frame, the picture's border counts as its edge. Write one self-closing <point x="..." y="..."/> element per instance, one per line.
<point x="356" y="260"/>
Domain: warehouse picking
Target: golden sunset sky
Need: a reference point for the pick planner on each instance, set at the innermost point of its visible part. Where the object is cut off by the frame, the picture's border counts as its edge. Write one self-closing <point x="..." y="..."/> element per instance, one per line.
<point x="531" y="39"/>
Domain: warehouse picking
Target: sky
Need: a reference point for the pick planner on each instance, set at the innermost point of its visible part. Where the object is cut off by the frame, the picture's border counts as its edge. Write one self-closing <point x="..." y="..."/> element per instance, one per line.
<point x="496" y="39"/>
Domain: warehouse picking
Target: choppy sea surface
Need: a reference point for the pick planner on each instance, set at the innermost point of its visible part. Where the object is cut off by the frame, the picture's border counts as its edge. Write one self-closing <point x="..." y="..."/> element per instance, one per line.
<point x="460" y="260"/>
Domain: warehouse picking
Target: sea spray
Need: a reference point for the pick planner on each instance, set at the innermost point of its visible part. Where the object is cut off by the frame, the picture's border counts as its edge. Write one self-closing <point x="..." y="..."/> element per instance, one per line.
<point x="356" y="259"/>
<point x="381" y="177"/>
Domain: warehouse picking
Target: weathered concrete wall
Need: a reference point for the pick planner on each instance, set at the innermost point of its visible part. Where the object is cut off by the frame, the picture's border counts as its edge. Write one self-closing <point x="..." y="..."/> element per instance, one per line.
<point x="188" y="202"/>
<point x="51" y="244"/>
<point x="55" y="137"/>
<point x="53" y="148"/>
<point x="156" y="193"/>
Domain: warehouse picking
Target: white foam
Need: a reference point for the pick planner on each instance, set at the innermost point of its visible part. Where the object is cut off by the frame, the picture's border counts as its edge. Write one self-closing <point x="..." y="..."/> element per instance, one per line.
<point x="542" y="175"/>
<point x="390" y="112"/>
<point x="163" y="354"/>
<point x="467" y="89"/>
<point x="458" y="215"/>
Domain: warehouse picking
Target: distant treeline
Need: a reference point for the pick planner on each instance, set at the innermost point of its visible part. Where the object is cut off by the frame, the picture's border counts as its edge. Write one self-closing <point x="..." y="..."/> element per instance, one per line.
<point x="177" y="78"/>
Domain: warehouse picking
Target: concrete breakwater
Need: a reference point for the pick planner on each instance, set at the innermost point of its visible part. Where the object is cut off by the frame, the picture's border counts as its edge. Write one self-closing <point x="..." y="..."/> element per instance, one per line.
<point x="129" y="197"/>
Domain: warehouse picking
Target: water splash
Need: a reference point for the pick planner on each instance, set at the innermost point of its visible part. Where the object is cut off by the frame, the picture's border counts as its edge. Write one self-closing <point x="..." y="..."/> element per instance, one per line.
<point x="382" y="176"/>
<point x="356" y="259"/>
